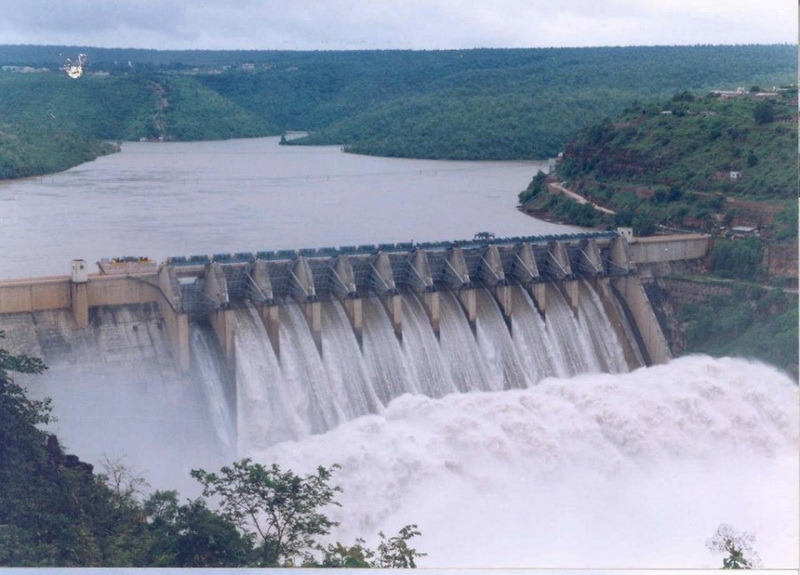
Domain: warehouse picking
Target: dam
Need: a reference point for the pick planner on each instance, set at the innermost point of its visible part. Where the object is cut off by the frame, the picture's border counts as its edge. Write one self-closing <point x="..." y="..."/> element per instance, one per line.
<point x="294" y="342"/>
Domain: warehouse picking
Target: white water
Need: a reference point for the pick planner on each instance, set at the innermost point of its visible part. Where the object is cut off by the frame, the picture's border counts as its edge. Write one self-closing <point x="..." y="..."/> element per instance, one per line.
<point x="600" y="470"/>
<point x="305" y="392"/>
<point x="631" y="470"/>
<point x="206" y="362"/>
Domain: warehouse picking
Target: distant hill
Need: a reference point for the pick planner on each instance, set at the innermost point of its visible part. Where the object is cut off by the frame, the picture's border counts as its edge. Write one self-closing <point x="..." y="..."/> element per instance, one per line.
<point x="460" y="104"/>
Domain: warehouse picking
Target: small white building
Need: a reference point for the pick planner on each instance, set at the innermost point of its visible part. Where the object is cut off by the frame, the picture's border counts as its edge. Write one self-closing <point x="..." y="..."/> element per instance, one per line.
<point x="626" y="233"/>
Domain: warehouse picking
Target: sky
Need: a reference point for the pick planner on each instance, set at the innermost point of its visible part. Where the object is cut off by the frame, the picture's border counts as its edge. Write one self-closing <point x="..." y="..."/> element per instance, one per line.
<point x="394" y="24"/>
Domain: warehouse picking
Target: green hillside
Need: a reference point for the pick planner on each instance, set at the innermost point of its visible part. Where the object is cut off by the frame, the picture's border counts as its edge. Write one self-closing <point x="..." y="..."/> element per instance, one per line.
<point x="461" y="104"/>
<point x="702" y="162"/>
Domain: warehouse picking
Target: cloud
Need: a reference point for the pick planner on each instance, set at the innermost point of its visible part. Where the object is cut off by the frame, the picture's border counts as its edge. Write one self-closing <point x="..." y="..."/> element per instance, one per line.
<point x="418" y="24"/>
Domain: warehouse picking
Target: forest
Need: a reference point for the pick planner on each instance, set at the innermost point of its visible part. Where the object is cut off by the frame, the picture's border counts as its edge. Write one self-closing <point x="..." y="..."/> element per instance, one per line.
<point x="481" y="104"/>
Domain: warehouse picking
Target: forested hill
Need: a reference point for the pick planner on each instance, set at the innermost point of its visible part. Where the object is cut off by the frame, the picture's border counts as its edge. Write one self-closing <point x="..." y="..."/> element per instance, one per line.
<point x="461" y="104"/>
<point x="702" y="161"/>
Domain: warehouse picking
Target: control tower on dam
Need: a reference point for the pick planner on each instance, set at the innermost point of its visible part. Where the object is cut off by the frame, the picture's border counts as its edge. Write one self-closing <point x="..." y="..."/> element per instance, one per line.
<point x="209" y="289"/>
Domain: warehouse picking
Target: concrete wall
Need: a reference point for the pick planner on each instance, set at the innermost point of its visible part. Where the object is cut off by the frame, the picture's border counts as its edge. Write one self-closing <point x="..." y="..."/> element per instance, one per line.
<point x="635" y="298"/>
<point x="658" y="249"/>
<point x="35" y="294"/>
<point x="41" y="294"/>
<point x="121" y="290"/>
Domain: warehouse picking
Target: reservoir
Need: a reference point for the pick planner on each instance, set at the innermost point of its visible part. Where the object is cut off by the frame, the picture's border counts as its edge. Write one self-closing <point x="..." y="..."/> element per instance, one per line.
<point x="174" y="199"/>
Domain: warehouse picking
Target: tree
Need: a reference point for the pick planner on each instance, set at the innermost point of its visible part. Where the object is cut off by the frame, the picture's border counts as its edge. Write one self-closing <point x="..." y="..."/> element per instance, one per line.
<point x="738" y="546"/>
<point x="395" y="552"/>
<point x="279" y="509"/>
<point x="192" y="535"/>
<point x="764" y="112"/>
<point x="392" y="553"/>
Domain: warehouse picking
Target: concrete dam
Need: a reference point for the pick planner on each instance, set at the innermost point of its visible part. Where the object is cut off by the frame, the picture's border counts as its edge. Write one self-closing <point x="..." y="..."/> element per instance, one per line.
<point x="281" y="344"/>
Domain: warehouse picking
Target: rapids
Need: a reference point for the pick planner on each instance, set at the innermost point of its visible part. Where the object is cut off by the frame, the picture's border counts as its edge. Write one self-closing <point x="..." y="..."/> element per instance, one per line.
<point x="626" y="470"/>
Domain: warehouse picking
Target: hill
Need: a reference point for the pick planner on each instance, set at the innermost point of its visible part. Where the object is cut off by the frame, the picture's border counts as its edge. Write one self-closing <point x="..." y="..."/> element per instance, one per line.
<point x="458" y="104"/>
<point x="704" y="162"/>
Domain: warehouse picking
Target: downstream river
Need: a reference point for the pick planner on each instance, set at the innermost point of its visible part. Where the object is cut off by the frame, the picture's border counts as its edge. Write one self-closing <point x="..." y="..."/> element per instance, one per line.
<point x="174" y="199"/>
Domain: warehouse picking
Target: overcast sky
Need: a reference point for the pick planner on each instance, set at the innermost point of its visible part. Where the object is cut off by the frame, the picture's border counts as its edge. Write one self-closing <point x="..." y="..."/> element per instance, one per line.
<point x="386" y="24"/>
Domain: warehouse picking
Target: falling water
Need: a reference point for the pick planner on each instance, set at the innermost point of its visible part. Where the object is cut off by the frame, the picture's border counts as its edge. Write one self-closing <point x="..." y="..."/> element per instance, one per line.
<point x="345" y="369"/>
<point x="494" y="340"/>
<point x="308" y="390"/>
<point x="429" y="373"/>
<point x="460" y="348"/>
<point x="386" y="363"/>
<point x="542" y="356"/>
<point x="207" y="363"/>
<point x="592" y="320"/>
<point x="267" y="408"/>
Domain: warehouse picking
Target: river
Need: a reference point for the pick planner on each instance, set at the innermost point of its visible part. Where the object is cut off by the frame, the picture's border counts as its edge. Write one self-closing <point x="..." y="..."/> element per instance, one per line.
<point x="173" y="199"/>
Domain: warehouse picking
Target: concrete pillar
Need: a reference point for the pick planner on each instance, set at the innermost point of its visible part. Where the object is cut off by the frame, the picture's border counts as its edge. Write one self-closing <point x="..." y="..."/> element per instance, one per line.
<point x="571" y="292"/>
<point x="260" y="289"/>
<point x="216" y="286"/>
<point x="455" y="269"/>
<point x="301" y="280"/>
<point x="393" y="303"/>
<point x="502" y="293"/>
<point x="469" y="304"/>
<point x="312" y="310"/>
<point x="539" y="294"/>
<point x="603" y="288"/>
<point x="176" y="322"/>
<point x="558" y="266"/>
<point x="620" y="256"/>
<point x="223" y="321"/>
<point x="591" y="262"/>
<point x="419" y="271"/>
<point x="345" y="283"/>
<point x="646" y="323"/>
<point x="270" y="317"/>
<point x="525" y="269"/>
<point x="381" y="276"/>
<point x="430" y="301"/>
<point x="79" y="293"/>
<point x="354" y="309"/>
<point x="491" y="266"/>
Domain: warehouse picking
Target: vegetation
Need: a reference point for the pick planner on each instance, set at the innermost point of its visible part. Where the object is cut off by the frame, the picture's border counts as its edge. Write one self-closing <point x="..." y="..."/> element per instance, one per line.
<point x="738" y="546"/>
<point x="702" y="163"/>
<point x="55" y="511"/>
<point x="753" y="322"/>
<point x="458" y="104"/>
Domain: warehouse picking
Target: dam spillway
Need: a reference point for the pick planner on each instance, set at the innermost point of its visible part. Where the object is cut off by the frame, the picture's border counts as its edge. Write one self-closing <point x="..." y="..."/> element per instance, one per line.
<point x="288" y="343"/>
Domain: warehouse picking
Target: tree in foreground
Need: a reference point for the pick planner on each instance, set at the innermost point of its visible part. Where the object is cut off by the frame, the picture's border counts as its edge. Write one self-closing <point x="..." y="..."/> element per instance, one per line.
<point x="738" y="546"/>
<point x="280" y="509"/>
<point x="282" y="513"/>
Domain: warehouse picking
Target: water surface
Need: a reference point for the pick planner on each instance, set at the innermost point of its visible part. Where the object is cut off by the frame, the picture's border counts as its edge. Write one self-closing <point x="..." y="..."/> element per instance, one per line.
<point x="168" y="199"/>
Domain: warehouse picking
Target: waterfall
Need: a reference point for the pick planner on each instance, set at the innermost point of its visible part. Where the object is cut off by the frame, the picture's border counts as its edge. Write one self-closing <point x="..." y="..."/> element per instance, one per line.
<point x="305" y="391"/>
<point x="430" y="375"/>
<point x="460" y="348"/>
<point x="388" y="368"/>
<point x="206" y="364"/>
